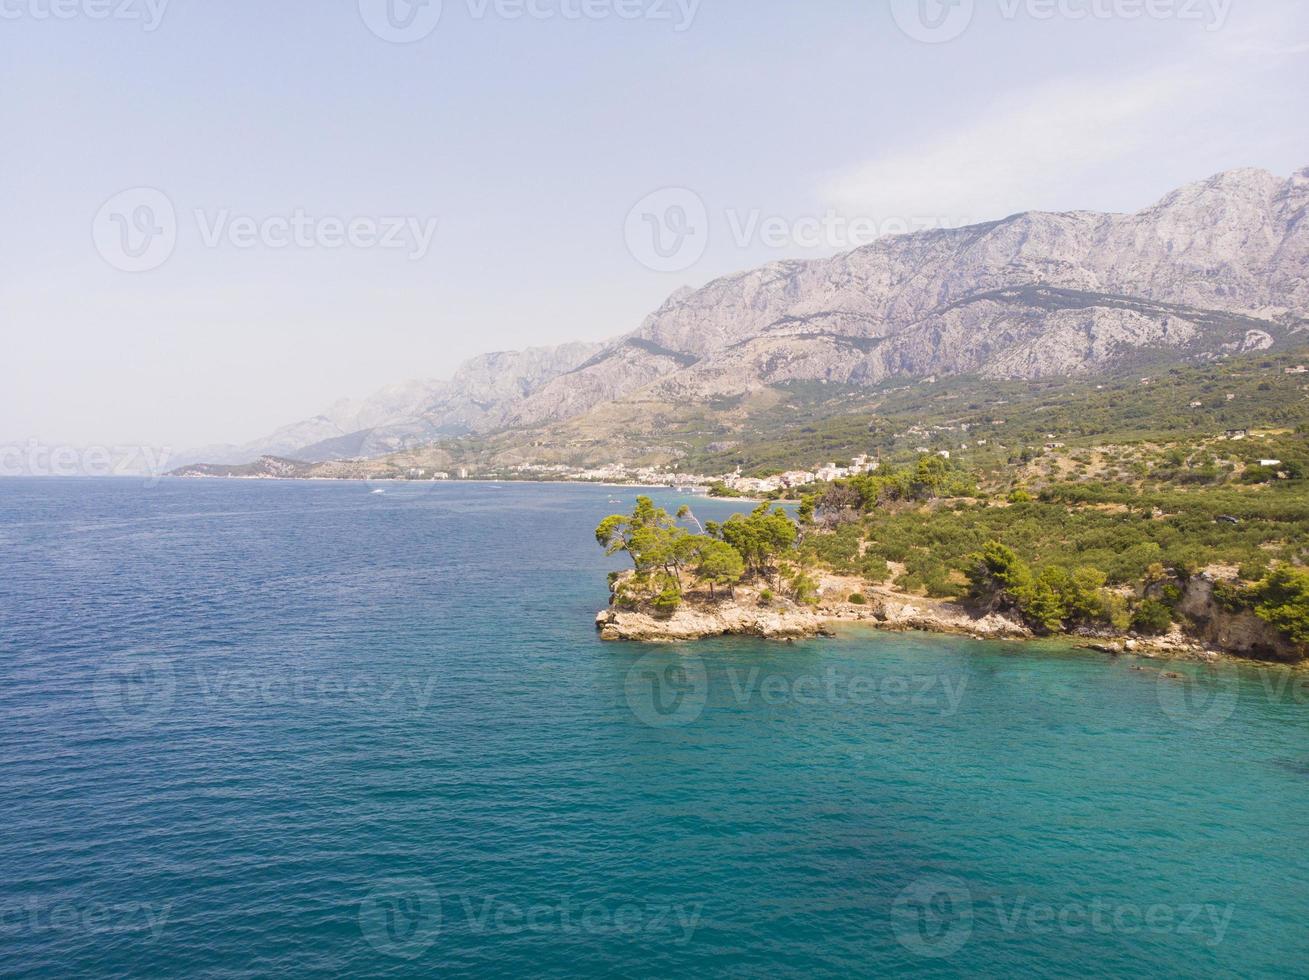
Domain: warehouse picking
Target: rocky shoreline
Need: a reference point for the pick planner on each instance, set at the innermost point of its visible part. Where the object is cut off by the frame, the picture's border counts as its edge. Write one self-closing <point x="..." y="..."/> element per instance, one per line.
<point x="745" y="613"/>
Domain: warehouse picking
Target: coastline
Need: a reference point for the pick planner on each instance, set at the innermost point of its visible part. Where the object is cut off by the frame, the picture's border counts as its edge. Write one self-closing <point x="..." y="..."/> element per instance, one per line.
<point x="886" y="610"/>
<point x="701" y="495"/>
<point x="440" y="483"/>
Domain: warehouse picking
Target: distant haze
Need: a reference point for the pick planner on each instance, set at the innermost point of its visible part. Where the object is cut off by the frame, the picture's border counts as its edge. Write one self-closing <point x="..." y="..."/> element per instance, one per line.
<point x="352" y="212"/>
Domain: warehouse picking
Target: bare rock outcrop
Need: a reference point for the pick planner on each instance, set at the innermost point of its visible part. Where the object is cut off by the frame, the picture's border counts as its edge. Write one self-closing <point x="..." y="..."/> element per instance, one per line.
<point x="746" y="614"/>
<point x="697" y="622"/>
<point x="1220" y="266"/>
<point x="1237" y="632"/>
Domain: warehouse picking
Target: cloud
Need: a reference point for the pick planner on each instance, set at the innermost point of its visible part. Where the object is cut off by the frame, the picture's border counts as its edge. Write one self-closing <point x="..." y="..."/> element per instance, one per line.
<point x="1269" y="30"/>
<point x="1024" y="153"/>
<point x="1270" y="50"/>
<point x="1102" y="141"/>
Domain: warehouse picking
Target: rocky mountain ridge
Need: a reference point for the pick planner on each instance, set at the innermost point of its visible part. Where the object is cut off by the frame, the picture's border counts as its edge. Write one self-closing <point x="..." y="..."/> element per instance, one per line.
<point x="1215" y="268"/>
<point x="479" y="397"/>
<point x="1218" y="267"/>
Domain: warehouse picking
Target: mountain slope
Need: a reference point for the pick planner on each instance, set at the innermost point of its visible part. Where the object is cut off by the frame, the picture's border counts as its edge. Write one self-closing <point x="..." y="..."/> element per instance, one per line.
<point x="478" y="398"/>
<point x="1216" y="268"/>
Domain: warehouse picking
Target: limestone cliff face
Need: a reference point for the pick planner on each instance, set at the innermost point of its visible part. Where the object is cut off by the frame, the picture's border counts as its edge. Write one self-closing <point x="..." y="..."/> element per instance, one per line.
<point x="697" y="623"/>
<point x="1211" y="628"/>
<point x="1241" y="633"/>
<point x="481" y="396"/>
<point x="1218" y="267"/>
<point x="744" y="613"/>
<point x="485" y="390"/>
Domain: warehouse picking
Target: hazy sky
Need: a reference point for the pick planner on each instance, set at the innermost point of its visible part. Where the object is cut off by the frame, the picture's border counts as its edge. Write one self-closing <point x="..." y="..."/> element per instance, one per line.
<point x="529" y="140"/>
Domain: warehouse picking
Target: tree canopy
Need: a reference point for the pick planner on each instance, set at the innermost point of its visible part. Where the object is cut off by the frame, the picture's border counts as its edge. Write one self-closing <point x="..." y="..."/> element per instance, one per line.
<point x="668" y="559"/>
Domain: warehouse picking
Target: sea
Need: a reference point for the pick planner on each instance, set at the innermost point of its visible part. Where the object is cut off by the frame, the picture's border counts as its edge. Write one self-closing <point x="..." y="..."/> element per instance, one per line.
<point x="264" y="728"/>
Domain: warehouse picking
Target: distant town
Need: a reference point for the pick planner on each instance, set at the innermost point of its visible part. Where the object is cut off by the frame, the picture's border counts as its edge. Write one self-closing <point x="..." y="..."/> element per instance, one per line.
<point x="734" y="483"/>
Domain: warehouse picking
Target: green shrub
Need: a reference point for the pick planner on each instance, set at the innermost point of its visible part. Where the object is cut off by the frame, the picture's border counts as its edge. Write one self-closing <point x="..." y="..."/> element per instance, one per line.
<point x="804" y="588"/>
<point x="874" y="569"/>
<point x="1152" y="618"/>
<point x="1282" y="600"/>
<point x="926" y="572"/>
<point x="1116" y="613"/>
<point x="1254" y="569"/>
<point x="1042" y="604"/>
<point x="668" y="599"/>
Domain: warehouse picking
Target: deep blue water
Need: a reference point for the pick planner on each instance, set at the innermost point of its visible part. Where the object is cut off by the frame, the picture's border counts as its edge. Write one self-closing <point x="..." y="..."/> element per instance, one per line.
<point x="303" y="729"/>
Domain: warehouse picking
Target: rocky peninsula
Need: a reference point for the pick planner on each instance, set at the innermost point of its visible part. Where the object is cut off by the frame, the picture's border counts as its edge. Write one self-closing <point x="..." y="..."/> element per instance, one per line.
<point x="769" y="575"/>
<point x="752" y="611"/>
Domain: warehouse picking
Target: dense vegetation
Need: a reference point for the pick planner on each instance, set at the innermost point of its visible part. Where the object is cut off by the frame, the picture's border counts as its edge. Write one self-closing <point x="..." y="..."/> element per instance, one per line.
<point x="995" y="426"/>
<point x="1067" y="503"/>
<point x="669" y="561"/>
<point x="1074" y="555"/>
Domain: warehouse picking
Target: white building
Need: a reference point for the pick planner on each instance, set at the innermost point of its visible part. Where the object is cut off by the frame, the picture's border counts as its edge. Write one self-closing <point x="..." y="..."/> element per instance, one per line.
<point x="797" y="478"/>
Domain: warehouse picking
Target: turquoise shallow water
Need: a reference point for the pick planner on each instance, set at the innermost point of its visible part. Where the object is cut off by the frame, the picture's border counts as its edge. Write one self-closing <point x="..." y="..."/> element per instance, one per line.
<point x="256" y="728"/>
